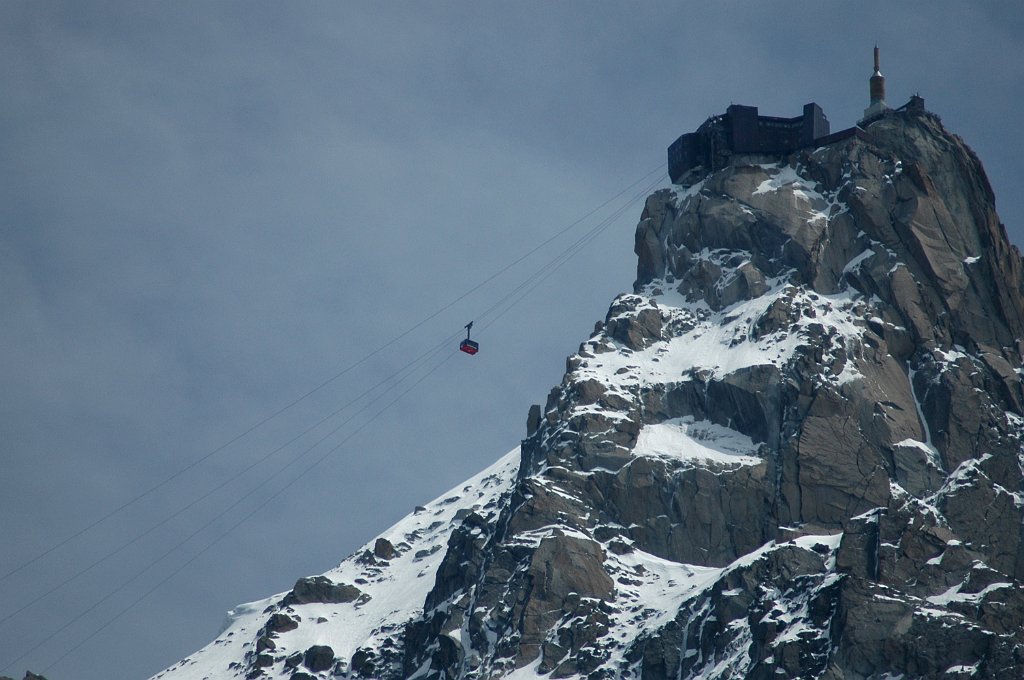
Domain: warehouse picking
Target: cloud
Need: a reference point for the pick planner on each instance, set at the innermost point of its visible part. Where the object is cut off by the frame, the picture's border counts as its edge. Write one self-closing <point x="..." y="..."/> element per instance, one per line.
<point x="210" y="209"/>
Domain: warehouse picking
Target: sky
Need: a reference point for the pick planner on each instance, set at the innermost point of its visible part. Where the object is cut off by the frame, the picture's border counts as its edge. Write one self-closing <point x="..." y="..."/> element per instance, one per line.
<point x="223" y="222"/>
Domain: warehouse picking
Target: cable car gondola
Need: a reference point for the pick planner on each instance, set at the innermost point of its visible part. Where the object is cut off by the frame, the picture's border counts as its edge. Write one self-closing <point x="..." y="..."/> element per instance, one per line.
<point x="469" y="346"/>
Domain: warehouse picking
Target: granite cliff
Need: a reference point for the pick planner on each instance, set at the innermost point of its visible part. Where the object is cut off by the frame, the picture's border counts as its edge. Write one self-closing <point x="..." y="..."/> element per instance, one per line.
<point x="794" y="450"/>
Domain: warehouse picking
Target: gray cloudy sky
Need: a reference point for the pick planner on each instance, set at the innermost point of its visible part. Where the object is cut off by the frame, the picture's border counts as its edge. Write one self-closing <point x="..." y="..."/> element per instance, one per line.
<point x="208" y="209"/>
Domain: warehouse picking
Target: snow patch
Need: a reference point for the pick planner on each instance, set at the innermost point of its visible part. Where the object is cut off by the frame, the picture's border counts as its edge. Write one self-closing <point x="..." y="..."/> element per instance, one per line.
<point x="854" y="264"/>
<point x="784" y="177"/>
<point x="696" y="440"/>
<point x="683" y="195"/>
<point x="953" y="594"/>
<point x="722" y="342"/>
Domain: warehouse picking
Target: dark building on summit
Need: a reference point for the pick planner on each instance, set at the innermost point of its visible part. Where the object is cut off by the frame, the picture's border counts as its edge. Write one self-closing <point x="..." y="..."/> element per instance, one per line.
<point x="741" y="130"/>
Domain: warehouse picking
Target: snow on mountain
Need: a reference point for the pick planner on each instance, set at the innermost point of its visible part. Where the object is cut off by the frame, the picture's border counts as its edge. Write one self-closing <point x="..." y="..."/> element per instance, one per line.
<point x="388" y="577"/>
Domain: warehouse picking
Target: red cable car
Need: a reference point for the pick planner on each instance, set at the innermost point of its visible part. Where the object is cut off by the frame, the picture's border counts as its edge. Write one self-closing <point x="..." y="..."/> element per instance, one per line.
<point x="468" y="346"/>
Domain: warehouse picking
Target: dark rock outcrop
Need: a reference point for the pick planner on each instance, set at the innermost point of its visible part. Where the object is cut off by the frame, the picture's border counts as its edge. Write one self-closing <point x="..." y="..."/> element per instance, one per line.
<point x="321" y="589"/>
<point x="318" y="658"/>
<point x="281" y="623"/>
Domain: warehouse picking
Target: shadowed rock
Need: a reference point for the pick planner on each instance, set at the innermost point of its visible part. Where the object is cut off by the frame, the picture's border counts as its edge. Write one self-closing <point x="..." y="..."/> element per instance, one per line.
<point x="321" y="589"/>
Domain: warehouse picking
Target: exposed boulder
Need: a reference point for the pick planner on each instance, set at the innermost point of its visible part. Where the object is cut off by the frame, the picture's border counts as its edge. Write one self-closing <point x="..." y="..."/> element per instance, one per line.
<point x="383" y="549"/>
<point x="281" y="623"/>
<point x="633" y="322"/>
<point x="318" y="658"/>
<point x="321" y="589"/>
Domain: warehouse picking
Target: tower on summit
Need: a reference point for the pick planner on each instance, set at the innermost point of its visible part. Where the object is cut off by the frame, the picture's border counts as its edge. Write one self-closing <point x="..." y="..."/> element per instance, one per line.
<point x="877" y="88"/>
<point x="741" y="135"/>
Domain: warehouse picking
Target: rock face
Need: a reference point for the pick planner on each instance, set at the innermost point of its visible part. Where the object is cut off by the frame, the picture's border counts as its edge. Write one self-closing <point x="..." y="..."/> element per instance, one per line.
<point x="794" y="450"/>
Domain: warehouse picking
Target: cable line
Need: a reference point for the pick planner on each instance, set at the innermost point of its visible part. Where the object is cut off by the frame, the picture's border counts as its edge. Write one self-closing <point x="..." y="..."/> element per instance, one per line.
<point x="530" y="283"/>
<point x="504" y="304"/>
<point x="214" y="490"/>
<point x="549" y="268"/>
<point x="224" y="512"/>
<point x="224" y="534"/>
<point x="325" y="383"/>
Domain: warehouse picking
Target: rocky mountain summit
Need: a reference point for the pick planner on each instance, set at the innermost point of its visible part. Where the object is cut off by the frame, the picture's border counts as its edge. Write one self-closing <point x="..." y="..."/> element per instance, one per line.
<point x="794" y="450"/>
<point x="29" y="675"/>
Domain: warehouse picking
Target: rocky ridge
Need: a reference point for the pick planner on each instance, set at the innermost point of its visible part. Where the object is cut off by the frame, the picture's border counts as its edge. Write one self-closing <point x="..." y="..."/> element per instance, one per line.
<point x="794" y="450"/>
<point x="29" y="675"/>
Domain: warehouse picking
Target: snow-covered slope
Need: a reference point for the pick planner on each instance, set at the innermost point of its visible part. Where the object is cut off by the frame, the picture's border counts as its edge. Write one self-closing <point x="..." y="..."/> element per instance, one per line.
<point x="392" y="575"/>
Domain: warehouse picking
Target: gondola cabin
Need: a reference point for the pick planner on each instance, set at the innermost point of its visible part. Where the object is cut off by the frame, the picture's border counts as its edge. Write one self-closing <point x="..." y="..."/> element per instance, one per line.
<point x="469" y="346"/>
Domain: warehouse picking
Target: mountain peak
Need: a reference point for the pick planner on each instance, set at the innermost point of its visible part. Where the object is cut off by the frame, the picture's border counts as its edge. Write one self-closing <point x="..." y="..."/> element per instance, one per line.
<point x="795" y="449"/>
<point x="901" y="190"/>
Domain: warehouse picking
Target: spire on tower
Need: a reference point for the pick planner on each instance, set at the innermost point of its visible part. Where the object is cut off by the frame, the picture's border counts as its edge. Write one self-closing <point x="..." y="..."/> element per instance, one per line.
<point x="877" y="90"/>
